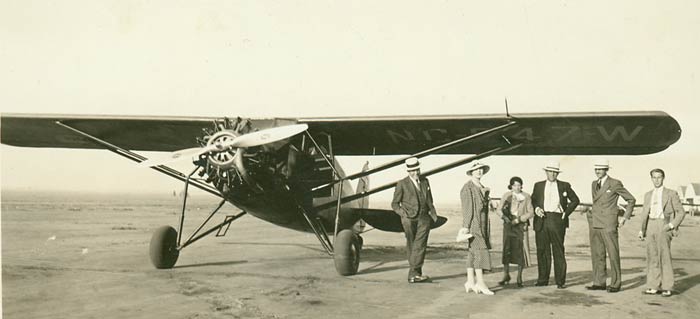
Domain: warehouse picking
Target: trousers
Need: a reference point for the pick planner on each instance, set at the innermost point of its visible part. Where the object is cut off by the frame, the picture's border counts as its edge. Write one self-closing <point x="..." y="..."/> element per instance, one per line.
<point x="416" y="231"/>
<point x="604" y="241"/>
<point x="659" y="267"/>
<point x="550" y="243"/>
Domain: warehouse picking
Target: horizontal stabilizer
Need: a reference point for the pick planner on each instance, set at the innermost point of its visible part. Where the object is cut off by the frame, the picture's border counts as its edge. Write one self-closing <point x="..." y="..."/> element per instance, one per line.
<point x="388" y="220"/>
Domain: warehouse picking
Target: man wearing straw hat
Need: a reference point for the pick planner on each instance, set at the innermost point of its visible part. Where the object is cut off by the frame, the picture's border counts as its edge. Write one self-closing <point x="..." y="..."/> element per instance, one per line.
<point x="554" y="201"/>
<point x="413" y="201"/>
<point x="604" y="223"/>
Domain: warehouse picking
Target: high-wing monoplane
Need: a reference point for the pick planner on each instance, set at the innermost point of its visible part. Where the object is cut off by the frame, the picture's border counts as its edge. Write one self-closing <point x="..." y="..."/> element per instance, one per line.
<point x="284" y="170"/>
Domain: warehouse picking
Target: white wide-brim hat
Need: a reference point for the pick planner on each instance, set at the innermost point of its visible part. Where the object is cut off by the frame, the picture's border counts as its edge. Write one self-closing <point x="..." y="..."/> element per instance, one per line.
<point x="476" y="166"/>
<point x="601" y="164"/>
<point x="412" y="164"/>
<point x="553" y="167"/>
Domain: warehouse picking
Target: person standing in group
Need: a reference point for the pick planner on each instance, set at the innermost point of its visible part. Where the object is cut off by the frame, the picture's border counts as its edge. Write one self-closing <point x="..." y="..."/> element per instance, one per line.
<point x="413" y="201"/>
<point x="475" y="209"/>
<point x="554" y="201"/>
<point x="604" y="224"/>
<point x="661" y="215"/>
<point x="516" y="209"/>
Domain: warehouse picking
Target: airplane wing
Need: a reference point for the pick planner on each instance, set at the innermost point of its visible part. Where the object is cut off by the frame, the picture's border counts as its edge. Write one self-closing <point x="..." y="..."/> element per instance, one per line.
<point x="620" y="133"/>
<point x="137" y="133"/>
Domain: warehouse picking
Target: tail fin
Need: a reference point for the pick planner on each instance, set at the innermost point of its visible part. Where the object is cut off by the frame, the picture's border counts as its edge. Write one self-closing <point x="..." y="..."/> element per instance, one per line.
<point x="362" y="202"/>
<point x="363" y="186"/>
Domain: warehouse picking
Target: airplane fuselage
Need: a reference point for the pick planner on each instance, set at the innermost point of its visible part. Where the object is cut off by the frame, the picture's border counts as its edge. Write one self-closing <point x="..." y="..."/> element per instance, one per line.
<point x="284" y="204"/>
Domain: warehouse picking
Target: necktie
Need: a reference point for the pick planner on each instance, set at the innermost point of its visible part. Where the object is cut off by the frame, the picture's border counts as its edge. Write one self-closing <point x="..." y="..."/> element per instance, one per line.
<point x="597" y="186"/>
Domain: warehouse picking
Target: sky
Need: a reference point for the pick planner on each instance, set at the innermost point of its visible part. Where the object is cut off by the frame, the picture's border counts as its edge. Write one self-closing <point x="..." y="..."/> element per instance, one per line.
<point x="351" y="58"/>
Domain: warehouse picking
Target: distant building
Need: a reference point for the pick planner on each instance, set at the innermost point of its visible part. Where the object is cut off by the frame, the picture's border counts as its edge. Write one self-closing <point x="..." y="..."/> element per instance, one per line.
<point x="692" y="196"/>
<point x="681" y="192"/>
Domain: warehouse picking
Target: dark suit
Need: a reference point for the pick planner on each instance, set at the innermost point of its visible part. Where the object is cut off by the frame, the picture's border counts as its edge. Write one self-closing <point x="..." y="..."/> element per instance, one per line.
<point x="603" y="229"/>
<point x="417" y="211"/>
<point x="550" y="231"/>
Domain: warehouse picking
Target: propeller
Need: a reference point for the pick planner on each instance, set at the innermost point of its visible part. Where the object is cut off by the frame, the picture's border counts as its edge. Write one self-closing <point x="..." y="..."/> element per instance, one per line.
<point x="246" y="140"/>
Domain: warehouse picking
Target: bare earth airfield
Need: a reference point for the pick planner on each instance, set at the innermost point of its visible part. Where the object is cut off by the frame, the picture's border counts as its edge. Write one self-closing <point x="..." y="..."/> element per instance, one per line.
<point x="87" y="257"/>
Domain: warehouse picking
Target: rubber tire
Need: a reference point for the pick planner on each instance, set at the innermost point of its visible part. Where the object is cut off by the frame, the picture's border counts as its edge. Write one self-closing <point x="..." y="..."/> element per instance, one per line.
<point x="346" y="253"/>
<point x="163" y="249"/>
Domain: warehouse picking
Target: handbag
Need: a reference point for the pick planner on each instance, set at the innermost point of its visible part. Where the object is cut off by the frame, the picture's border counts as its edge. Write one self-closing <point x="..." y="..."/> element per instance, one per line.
<point x="463" y="235"/>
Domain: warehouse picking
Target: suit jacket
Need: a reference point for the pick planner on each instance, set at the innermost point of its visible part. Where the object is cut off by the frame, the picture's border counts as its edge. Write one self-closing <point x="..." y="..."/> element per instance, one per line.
<point x="672" y="209"/>
<point x="568" y="200"/>
<point x="407" y="200"/>
<point x="604" y="210"/>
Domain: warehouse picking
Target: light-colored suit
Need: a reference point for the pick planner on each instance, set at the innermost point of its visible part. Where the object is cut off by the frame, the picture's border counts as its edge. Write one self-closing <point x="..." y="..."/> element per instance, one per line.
<point x="658" y="234"/>
<point x="603" y="229"/>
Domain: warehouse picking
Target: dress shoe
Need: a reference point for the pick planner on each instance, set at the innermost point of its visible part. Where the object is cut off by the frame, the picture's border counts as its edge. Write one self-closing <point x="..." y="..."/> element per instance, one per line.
<point x="418" y="279"/>
<point x="613" y="289"/>
<point x="479" y="289"/>
<point x="505" y="281"/>
<point x="650" y="291"/>
<point x="520" y="283"/>
<point x="541" y="284"/>
<point x="666" y="293"/>
<point x="595" y="287"/>
<point x="561" y="286"/>
<point x="469" y="286"/>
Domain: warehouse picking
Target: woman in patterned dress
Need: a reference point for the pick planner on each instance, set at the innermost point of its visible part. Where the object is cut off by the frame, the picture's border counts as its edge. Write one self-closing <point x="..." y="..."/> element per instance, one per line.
<point x="475" y="209"/>
<point x="516" y="209"/>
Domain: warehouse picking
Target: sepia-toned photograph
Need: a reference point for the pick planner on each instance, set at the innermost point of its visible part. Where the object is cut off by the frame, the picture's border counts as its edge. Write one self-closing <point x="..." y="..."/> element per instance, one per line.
<point x="345" y="159"/>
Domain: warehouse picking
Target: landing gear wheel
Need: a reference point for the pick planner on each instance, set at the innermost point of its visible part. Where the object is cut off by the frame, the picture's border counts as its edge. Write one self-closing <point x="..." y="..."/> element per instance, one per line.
<point x="164" y="251"/>
<point x="346" y="254"/>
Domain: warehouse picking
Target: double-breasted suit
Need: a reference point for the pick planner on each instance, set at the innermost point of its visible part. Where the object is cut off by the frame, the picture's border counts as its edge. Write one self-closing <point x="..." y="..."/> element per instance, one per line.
<point x="551" y="229"/>
<point x="603" y="226"/>
<point x="415" y="206"/>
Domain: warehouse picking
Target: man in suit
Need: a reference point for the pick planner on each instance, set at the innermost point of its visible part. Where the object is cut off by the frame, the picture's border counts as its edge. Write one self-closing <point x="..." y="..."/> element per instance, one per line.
<point x="554" y="201"/>
<point x="413" y="201"/>
<point x="604" y="223"/>
<point x="661" y="216"/>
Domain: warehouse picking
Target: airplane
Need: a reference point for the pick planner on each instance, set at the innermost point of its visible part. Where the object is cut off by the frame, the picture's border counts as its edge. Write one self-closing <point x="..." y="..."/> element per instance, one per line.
<point x="284" y="170"/>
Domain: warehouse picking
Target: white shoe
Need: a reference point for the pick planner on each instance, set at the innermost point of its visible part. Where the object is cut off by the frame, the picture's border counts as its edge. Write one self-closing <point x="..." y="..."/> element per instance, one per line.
<point x="469" y="286"/>
<point x="482" y="290"/>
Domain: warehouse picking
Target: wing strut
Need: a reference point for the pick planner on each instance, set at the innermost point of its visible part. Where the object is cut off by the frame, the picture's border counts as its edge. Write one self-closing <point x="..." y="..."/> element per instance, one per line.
<point x="494" y="151"/>
<point x="139" y="158"/>
<point x="419" y="154"/>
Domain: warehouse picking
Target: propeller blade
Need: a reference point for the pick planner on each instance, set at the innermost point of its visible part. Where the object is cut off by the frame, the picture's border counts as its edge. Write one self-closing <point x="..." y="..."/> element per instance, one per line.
<point x="248" y="140"/>
<point x="267" y="136"/>
<point x="176" y="156"/>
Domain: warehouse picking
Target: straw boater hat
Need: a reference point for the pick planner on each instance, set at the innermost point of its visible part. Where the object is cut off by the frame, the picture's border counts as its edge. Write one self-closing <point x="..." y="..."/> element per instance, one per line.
<point x="412" y="164"/>
<point x="601" y="164"/>
<point x="476" y="166"/>
<point x="553" y="167"/>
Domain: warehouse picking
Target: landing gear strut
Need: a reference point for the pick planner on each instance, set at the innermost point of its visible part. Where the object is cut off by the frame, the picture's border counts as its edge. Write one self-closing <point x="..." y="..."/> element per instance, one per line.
<point x="166" y="241"/>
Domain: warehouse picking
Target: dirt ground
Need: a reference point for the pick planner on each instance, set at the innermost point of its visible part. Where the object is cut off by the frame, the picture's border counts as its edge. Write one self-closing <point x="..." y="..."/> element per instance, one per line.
<point x="90" y="260"/>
